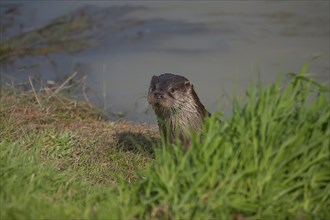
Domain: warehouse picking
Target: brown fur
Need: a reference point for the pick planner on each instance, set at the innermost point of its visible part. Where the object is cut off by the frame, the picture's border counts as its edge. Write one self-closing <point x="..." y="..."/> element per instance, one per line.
<point x="177" y="107"/>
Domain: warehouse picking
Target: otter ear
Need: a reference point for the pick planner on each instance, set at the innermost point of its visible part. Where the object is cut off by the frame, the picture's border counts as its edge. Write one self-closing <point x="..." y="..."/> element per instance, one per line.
<point x="187" y="84"/>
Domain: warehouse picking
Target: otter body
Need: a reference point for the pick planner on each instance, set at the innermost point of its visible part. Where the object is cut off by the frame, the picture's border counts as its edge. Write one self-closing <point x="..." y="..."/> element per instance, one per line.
<point x="177" y="106"/>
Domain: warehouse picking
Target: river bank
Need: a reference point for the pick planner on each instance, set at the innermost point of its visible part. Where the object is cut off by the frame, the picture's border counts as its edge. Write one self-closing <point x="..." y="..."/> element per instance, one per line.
<point x="62" y="159"/>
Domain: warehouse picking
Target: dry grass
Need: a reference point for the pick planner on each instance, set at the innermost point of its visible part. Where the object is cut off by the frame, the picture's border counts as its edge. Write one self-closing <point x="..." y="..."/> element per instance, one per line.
<point x="26" y="116"/>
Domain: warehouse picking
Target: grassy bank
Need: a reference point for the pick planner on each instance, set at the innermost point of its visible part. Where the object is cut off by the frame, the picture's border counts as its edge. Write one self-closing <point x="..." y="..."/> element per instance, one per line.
<point x="269" y="160"/>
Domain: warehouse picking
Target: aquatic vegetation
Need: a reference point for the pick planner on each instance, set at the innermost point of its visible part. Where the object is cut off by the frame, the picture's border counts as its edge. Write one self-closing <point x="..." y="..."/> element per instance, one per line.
<point x="61" y="35"/>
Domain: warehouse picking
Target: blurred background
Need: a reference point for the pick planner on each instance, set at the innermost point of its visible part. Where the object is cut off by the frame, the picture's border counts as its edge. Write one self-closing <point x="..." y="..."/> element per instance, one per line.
<point x="112" y="48"/>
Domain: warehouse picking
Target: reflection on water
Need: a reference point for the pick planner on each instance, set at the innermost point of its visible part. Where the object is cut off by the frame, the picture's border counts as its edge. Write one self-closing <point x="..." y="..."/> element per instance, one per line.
<point x="219" y="46"/>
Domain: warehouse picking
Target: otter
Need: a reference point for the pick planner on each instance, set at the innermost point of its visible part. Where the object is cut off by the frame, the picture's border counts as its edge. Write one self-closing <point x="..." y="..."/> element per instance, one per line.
<point x="177" y="107"/>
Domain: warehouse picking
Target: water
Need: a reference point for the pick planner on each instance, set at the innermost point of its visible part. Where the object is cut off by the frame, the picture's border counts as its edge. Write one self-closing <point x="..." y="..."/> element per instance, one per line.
<point x="218" y="45"/>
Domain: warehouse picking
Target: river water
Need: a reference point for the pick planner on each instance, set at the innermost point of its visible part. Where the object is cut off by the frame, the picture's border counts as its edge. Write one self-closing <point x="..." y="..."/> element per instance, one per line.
<point x="219" y="45"/>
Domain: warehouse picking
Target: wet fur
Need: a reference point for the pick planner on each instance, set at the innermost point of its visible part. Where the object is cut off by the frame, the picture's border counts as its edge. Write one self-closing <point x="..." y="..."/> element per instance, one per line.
<point x="177" y="113"/>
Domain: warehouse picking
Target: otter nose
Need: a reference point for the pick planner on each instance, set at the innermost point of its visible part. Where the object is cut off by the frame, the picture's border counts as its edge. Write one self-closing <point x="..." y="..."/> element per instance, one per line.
<point x="159" y="95"/>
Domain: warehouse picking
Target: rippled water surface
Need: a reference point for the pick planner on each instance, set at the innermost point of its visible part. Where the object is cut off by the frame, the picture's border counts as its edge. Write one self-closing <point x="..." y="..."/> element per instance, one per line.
<point x="219" y="45"/>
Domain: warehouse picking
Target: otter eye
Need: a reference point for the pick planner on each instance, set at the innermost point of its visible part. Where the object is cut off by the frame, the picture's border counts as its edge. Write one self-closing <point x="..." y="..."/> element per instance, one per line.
<point x="172" y="90"/>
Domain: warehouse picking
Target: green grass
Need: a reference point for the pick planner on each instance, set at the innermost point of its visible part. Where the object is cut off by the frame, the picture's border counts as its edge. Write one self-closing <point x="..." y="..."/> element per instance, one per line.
<point x="269" y="160"/>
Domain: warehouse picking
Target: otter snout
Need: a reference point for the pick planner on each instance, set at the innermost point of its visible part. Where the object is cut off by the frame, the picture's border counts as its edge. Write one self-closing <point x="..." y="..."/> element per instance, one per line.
<point x="160" y="99"/>
<point x="154" y="97"/>
<point x="158" y="95"/>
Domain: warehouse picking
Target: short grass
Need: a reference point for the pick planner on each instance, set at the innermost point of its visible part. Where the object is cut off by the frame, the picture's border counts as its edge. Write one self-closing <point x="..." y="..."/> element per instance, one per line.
<point x="269" y="160"/>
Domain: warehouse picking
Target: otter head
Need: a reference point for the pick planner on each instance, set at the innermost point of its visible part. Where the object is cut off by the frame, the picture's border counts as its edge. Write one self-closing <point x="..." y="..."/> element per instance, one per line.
<point x="168" y="91"/>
